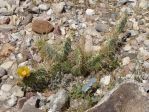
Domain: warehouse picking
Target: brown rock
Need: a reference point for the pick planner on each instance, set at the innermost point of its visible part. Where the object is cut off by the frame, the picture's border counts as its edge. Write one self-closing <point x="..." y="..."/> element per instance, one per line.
<point x="126" y="98"/>
<point x="42" y="26"/>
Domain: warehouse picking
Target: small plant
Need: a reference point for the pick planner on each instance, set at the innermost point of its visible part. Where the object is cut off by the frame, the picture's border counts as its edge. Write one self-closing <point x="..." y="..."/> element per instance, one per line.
<point x="36" y="80"/>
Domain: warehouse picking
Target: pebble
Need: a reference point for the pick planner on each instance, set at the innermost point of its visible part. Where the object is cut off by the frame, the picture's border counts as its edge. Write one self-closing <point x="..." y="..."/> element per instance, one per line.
<point x="105" y="80"/>
<point x="49" y="12"/>
<point x="90" y="12"/>
<point x="125" y="61"/>
<point x="44" y="7"/>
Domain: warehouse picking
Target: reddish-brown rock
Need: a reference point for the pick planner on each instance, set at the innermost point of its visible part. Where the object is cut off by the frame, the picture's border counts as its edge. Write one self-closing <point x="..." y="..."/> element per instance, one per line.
<point x="42" y="26"/>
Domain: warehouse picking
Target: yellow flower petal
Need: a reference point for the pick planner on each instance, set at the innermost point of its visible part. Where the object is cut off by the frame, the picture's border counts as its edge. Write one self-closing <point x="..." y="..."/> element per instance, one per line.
<point x="23" y="71"/>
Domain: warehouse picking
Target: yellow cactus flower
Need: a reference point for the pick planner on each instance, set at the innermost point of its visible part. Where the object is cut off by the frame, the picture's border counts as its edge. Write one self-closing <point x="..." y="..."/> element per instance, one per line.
<point x="23" y="71"/>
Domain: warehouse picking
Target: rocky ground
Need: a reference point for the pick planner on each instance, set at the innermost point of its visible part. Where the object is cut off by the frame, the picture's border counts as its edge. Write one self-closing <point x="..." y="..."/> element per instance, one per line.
<point x="123" y="86"/>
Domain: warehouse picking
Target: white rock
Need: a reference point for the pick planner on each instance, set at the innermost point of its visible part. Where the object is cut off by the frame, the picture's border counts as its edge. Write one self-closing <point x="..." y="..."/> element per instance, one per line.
<point x="17" y="91"/>
<point x="19" y="57"/>
<point x="127" y="47"/>
<point x="99" y="92"/>
<point x="105" y="80"/>
<point x="44" y="7"/>
<point x="12" y="101"/>
<point x="6" y="87"/>
<point x="90" y="12"/>
<point x="49" y="12"/>
<point x="125" y="61"/>
<point x="7" y="65"/>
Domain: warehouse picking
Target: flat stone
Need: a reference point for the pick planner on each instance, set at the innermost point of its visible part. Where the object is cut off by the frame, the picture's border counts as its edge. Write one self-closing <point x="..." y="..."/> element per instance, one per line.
<point x="128" y="97"/>
<point x="41" y="26"/>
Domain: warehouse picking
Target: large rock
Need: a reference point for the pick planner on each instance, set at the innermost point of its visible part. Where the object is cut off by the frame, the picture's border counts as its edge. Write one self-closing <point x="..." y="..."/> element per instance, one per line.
<point x="58" y="102"/>
<point x="42" y="26"/>
<point x="29" y="105"/>
<point x="128" y="97"/>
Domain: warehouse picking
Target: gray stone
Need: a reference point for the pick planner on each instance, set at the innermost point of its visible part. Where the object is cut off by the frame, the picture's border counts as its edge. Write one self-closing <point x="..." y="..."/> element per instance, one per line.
<point x="101" y="27"/>
<point x="58" y="102"/>
<point x="29" y="105"/>
<point x="90" y="12"/>
<point x="27" y="19"/>
<point x="2" y="72"/>
<point x="128" y="97"/>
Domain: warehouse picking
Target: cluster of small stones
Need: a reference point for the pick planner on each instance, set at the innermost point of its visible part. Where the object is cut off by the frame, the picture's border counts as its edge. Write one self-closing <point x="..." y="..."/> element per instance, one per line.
<point x="23" y="22"/>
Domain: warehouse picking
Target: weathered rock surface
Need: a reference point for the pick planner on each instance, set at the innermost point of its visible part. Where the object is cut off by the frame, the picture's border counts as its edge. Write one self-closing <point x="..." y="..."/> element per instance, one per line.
<point x="41" y="26"/>
<point x="129" y="97"/>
